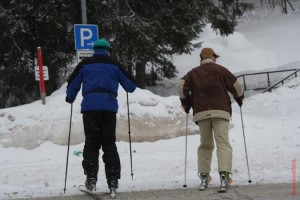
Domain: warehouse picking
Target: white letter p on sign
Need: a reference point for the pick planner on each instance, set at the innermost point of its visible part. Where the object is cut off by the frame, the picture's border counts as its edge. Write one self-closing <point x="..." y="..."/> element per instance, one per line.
<point x="86" y="34"/>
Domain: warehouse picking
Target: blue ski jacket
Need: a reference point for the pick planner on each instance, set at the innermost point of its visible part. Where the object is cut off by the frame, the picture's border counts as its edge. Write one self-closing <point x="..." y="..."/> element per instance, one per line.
<point x="100" y="78"/>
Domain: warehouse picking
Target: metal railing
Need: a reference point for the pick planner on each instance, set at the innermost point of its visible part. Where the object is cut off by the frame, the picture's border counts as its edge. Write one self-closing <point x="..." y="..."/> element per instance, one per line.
<point x="268" y="78"/>
<point x="281" y="81"/>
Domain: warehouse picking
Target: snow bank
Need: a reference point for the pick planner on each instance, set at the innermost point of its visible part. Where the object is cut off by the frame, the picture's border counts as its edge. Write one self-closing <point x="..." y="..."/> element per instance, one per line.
<point x="152" y="118"/>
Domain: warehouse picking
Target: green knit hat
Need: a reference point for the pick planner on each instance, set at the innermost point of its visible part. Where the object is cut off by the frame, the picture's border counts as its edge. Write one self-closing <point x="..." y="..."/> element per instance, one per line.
<point x="102" y="44"/>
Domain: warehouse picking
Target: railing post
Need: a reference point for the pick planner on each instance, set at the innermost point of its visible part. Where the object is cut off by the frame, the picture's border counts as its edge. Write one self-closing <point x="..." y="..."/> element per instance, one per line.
<point x="281" y="81"/>
<point x="268" y="79"/>
<point x="244" y="81"/>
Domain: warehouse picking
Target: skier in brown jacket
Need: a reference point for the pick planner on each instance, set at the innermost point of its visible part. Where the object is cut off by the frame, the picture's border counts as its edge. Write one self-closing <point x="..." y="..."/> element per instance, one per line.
<point x="205" y="89"/>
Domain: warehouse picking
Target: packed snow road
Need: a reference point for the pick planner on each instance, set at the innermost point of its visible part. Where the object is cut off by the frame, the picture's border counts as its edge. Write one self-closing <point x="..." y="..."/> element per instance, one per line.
<point x="283" y="191"/>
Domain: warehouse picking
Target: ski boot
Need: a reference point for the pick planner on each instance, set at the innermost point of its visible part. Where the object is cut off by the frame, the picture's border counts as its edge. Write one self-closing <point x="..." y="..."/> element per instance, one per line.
<point x="205" y="179"/>
<point x="113" y="185"/>
<point x="90" y="182"/>
<point x="225" y="181"/>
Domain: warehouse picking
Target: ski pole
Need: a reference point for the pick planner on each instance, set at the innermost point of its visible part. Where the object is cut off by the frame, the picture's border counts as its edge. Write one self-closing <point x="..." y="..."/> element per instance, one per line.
<point x="186" y="133"/>
<point x="249" y="181"/>
<point x="67" y="163"/>
<point x="129" y="133"/>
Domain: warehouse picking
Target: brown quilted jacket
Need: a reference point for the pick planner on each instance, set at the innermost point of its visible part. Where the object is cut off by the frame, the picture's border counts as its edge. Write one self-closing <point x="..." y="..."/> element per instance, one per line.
<point x="206" y="88"/>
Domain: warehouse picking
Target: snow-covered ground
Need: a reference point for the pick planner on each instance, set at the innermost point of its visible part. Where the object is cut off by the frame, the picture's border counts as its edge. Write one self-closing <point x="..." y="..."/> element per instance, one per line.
<point x="33" y="137"/>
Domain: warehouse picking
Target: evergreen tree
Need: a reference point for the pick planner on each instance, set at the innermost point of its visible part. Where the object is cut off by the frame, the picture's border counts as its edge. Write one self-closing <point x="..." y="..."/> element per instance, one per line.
<point x="223" y="15"/>
<point x="25" y="25"/>
<point x="145" y="34"/>
<point x="283" y="4"/>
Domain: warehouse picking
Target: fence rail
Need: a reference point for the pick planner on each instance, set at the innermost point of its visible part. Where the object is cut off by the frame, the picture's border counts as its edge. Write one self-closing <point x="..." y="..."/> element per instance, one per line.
<point x="281" y="81"/>
<point x="258" y="81"/>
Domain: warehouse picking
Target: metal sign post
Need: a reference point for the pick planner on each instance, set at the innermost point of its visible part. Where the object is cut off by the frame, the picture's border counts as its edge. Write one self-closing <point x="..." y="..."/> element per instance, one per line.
<point x="83" y="12"/>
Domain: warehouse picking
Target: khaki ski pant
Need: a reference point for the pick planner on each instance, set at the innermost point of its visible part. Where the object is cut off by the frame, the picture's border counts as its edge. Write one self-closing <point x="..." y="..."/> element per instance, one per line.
<point x="217" y="128"/>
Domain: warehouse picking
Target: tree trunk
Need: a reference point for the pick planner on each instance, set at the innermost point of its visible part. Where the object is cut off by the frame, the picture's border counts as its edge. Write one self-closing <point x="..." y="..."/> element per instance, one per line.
<point x="288" y="1"/>
<point x="141" y="75"/>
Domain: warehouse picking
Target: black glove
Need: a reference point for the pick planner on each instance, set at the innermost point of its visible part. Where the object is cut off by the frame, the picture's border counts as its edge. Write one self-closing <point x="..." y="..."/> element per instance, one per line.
<point x="68" y="100"/>
<point x="186" y="105"/>
<point x="239" y="100"/>
<point x="186" y="108"/>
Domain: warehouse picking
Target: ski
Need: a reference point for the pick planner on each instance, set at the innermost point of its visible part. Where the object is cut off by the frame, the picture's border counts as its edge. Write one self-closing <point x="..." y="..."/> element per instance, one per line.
<point x="222" y="189"/>
<point x="82" y="188"/>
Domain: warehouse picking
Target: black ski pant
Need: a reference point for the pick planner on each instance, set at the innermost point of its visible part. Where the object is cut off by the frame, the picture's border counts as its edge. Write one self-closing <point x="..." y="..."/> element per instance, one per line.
<point x="100" y="131"/>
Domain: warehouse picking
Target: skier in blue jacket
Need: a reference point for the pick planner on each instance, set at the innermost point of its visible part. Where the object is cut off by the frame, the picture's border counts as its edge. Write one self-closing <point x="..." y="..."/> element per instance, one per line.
<point x="100" y="78"/>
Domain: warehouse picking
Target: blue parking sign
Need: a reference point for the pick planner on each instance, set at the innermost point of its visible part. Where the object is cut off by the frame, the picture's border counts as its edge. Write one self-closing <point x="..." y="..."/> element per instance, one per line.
<point x="85" y="36"/>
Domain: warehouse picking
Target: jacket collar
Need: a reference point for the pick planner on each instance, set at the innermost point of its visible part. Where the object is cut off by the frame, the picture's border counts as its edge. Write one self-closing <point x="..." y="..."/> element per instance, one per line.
<point x="205" y="61"/>
<point x="102" y="53"/>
